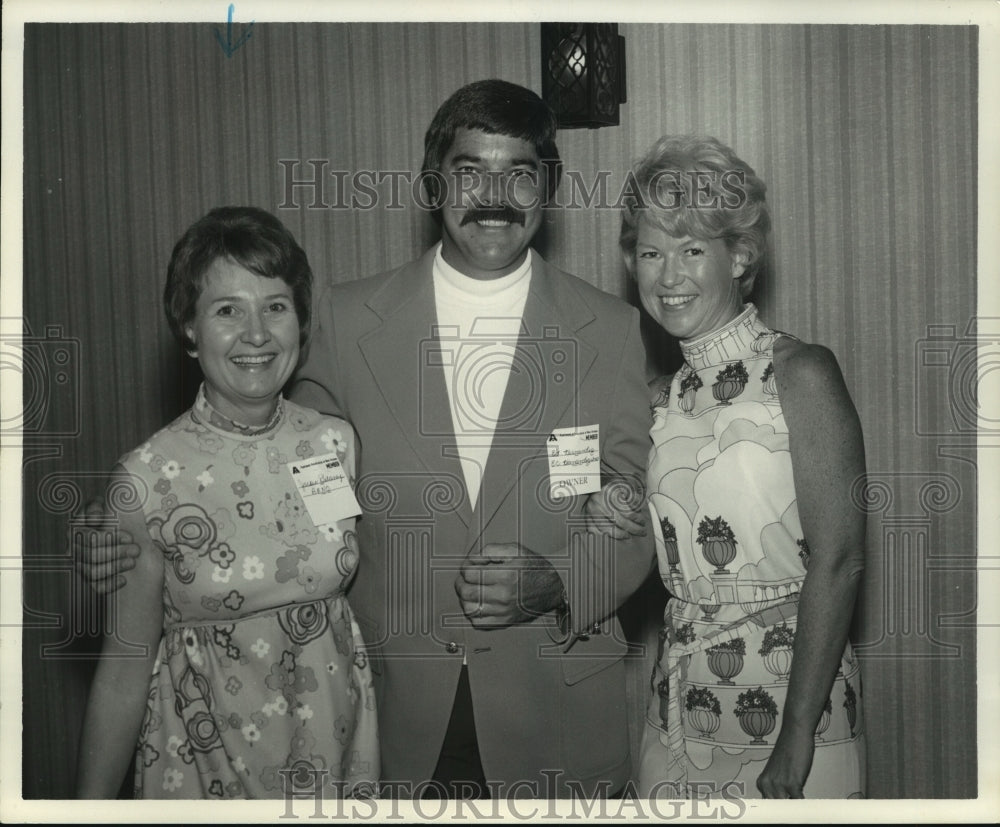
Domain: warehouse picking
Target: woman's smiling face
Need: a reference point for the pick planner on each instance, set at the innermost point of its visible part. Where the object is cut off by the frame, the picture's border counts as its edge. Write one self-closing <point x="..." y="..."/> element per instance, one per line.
<point x="246" y="337"/>
<point x="689" y="286"/>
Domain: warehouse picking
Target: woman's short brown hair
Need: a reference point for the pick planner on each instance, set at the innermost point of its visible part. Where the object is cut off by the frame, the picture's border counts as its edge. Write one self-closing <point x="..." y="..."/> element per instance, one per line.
<point x="248" y="236"/>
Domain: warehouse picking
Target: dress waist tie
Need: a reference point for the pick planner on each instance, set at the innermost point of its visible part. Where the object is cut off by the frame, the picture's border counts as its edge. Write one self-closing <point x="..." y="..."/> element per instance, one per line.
<point x="678" y="656"/>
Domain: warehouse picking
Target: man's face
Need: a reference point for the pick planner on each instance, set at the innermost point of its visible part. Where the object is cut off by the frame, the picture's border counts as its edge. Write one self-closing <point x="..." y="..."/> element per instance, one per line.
<point x="492" y="207"/>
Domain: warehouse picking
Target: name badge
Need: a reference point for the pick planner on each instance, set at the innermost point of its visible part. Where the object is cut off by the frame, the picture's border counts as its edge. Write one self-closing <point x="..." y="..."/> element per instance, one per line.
<point x="323" y="485"/>
<point x="574" y="461"/>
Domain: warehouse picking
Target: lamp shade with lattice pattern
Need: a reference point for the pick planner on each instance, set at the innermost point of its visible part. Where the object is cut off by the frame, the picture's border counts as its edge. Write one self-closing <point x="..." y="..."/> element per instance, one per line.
<point x="583" y="72"/>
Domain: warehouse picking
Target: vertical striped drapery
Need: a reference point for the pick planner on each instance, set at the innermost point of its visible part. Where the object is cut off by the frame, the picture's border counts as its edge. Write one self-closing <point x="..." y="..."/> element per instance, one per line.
<point x="866" y="136"/>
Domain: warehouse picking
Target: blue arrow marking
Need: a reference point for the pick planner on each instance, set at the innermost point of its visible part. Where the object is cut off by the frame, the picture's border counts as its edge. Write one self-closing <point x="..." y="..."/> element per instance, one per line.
<point x="227" y="45"/>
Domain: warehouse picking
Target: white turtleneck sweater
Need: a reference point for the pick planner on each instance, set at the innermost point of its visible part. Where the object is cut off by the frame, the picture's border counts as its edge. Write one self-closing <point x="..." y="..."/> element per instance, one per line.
<point x="478" y="324"/>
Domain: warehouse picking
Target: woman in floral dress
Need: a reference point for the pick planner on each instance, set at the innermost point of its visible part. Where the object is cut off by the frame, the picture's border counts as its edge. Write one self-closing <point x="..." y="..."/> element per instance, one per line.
<point x="255" y="679"/>
<point x="757" y="456"/>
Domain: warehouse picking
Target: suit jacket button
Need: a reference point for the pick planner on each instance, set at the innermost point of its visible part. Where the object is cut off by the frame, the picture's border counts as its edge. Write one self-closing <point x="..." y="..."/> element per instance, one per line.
<point x="451" y="648"/>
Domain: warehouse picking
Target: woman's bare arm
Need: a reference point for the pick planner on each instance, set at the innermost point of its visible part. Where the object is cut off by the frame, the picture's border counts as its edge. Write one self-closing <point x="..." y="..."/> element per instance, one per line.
<point x="827" y="452"/>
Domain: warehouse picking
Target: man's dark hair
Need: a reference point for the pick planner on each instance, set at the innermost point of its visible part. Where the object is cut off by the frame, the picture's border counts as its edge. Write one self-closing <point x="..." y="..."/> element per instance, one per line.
<point x="499" y="108"/>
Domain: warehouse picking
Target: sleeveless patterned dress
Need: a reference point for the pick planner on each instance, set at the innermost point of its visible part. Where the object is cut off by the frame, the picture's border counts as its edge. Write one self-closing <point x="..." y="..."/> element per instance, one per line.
<point x="732" y="555"/>
<point x="261" y="678"/>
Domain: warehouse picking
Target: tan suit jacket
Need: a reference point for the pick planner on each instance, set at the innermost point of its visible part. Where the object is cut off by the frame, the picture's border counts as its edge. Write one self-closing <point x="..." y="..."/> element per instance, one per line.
<point x="550" y="712"/>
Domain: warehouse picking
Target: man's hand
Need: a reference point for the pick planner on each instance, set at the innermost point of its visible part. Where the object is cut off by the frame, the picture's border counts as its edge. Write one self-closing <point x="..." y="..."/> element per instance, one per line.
<point x="616" y="510"/>
<point x="102" y="552"/>
<point x="506" y="583"/>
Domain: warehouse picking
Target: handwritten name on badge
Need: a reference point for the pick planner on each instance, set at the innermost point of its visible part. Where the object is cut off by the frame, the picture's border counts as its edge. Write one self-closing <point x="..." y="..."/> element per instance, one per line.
<point x="323" y="485"/>
<point x="574" y="461"/>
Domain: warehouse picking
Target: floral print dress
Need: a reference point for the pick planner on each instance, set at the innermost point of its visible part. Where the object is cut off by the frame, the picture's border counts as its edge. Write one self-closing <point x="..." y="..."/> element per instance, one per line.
<point x="261" y="679"/>
<point x="732" y="555"/>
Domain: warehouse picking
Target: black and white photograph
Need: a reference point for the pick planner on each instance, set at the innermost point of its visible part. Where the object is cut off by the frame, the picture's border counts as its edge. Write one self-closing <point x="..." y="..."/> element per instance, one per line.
<point x="557" y="412"/>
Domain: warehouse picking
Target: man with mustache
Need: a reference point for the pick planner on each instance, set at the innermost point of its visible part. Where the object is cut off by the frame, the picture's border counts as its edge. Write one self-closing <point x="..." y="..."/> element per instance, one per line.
<point x="472" y="376"/>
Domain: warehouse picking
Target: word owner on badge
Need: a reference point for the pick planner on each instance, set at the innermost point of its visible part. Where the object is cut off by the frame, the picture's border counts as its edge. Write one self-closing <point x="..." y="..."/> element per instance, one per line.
<point x="574" y="461"/>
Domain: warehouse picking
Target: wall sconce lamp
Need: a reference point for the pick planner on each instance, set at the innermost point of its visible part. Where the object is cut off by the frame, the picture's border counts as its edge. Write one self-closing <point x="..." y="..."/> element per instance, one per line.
<point x="583" y="73"/>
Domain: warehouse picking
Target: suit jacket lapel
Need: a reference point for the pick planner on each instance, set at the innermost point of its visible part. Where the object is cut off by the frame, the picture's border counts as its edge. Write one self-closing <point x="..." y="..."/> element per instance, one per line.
<point x="404" y="356"/>
<point x="549" y="366"/>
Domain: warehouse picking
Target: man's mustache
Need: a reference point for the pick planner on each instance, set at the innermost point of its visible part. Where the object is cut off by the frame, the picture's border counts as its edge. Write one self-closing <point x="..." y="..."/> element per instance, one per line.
<point x="501" y="212"/>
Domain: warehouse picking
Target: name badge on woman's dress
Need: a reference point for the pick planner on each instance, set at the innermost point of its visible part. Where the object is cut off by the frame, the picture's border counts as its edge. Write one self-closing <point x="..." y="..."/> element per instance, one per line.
<point x="323" y="485"/>
<point x="574" y="461"/>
